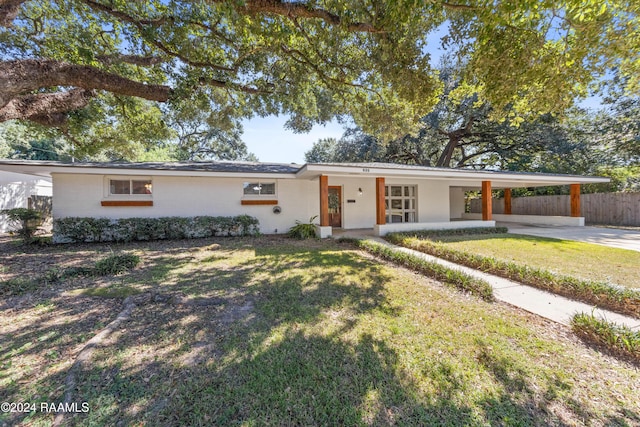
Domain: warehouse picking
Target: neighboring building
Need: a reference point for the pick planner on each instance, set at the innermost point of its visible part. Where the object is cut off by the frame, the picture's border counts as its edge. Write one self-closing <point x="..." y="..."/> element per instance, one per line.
<point x="379" y="196"/>
<point x="15" y="190"/>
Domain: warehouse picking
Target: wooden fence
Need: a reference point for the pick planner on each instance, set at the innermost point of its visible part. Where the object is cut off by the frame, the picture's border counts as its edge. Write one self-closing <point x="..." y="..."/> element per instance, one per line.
<point x="596" y="208"/>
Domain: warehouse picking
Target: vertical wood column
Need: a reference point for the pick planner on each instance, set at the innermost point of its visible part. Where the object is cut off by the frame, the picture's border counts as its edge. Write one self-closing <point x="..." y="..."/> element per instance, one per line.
<point x="487" y="207"/>
<point x="507" y="201"/>
<point x="380" y="209"/>
<point x="575" y="200"/>
<point x="324" y="200"/>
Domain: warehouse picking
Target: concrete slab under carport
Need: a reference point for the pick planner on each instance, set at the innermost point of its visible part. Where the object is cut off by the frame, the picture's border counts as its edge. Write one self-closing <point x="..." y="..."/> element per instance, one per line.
<point x="612" y="237"/>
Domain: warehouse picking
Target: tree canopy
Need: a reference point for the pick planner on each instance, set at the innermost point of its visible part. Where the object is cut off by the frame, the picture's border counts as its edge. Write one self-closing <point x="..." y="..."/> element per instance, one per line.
<point x="116" y="71"/>
<point x="604" y="142"/>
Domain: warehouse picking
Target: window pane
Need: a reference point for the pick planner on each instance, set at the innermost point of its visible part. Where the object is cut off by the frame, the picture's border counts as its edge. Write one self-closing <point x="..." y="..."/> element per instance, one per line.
<point x="120" y="186"/>
<point x="257" y="188"/>
<point x="400" y="203"/>
<point x="269" y="188"/>
<point x="141" y="187"/>
<point x="251" y="188"/>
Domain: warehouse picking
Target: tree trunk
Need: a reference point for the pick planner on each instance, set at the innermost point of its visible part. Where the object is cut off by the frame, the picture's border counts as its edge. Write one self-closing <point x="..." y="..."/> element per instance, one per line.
<point x="45" y="108"/>
<point x="25" y="75"/>
<point x="444" y="161"/>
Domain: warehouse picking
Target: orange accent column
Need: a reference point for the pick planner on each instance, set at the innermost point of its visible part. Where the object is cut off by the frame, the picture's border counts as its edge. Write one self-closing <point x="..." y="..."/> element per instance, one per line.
<point x="486" y="201"/>
<point x="324" y="200"/>
<point x="507" y="201"/>
<point x="575" y="200"/>
<point x="380" y="209"/>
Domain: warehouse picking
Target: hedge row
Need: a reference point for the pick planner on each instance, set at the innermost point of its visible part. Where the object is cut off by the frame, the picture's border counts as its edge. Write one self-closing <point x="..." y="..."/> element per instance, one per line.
<point x="615" y="298"/>
<point x="617" y="340"/>
<point x="430" y="234"/>
<point x="74" y="229"/>
<point x="455" y="278"/>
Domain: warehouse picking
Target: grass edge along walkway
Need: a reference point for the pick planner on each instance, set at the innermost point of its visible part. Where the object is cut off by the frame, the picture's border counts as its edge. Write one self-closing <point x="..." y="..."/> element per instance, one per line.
<point x="603" y="295"/>
<point x="452" y="277"/>
<point x="617" y="338"/>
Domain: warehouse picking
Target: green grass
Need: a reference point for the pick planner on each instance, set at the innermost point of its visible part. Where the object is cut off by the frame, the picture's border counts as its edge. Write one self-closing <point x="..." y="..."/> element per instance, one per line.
<point x="117" y="291"/>
<point x="17" y="286"/>
<point x="457" y="279"/>
<point x="583" y="260"/>
<point x="601" y="294"/>
<point x="307" y="333"/>
<point x="116" y="264"/>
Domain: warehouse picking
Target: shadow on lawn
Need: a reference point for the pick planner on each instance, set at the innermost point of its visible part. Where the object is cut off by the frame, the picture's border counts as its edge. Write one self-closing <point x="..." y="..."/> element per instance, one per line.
<point x="260" y="357"/>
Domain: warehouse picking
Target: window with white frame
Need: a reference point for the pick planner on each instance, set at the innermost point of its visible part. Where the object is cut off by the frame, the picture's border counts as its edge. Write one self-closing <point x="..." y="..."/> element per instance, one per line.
<point x="400" y="203"/>
<point x="120" y="186"/>
<point x="259" y="188"/>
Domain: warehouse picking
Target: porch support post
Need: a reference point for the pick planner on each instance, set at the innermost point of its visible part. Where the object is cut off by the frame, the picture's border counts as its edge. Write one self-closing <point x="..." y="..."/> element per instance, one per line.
<point x="575" y="200"/>
<point x="507" y="201"/>
<point x="380" y="210"/>
<point x="324" y="200"/>
<point x="486" y="201"/>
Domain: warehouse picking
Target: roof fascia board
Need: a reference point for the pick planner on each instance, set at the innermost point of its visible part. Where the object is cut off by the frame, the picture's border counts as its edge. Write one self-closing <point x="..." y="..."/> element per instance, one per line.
<point x="157" y="172"/>
<point x="311" y="171"/>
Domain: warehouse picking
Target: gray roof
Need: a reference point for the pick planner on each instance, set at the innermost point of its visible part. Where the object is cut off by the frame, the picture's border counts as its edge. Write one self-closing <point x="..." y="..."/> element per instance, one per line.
<point x="265" y="168"/>
<point x="219" y="166"/>
<point x="400" y="166"/>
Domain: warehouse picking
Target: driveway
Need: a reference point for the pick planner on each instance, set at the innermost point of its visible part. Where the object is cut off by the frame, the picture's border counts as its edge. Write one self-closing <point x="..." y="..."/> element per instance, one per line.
<point x="617" y="238"/>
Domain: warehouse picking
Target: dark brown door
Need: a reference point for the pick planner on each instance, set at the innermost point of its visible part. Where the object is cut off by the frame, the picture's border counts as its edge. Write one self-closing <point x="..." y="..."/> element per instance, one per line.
<point x="335" y="206"/>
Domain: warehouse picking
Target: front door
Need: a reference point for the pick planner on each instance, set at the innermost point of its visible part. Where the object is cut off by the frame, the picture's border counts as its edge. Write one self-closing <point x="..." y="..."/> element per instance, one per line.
<point x="335" y="206"/>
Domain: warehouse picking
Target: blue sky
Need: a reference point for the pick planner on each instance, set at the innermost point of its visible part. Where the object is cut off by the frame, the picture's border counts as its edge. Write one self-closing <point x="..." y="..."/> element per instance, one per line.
<point x="271" y="142"/>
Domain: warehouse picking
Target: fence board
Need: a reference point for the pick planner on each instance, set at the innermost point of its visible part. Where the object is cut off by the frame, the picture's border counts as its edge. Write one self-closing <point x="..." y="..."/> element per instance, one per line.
<point x="597" y="208"/>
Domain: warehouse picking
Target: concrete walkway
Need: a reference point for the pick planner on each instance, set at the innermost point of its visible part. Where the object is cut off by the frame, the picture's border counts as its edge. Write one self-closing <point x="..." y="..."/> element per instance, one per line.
<point x="614" y="237"/>
<point x="545" y="304"/>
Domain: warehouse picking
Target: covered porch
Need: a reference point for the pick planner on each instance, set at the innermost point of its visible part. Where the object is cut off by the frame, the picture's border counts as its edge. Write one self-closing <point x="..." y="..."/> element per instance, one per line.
<point x="385" y="198"/>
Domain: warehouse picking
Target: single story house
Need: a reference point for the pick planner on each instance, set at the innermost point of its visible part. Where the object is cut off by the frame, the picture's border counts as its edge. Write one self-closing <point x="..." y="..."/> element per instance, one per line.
<point x="17" y="188"/>
<point x="379" y="196"/>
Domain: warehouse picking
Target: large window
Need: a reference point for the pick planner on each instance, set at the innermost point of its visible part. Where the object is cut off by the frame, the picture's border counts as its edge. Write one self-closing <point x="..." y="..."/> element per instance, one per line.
<point x="259" y="188"/>
<point x="130" y="186"/>
<point x="400" y="203"/>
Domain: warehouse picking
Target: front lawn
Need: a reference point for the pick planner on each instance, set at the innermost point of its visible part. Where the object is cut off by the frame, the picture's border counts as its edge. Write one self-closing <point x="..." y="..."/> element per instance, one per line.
<point x="583" y="260"/>
<point x="271" y="331"/>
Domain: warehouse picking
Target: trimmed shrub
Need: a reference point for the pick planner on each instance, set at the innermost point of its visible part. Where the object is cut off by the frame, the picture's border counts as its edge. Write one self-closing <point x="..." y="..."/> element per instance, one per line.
<point x="615" y="339"/>
<point x="73" y="229"/>
<point x="455" y="232"/>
